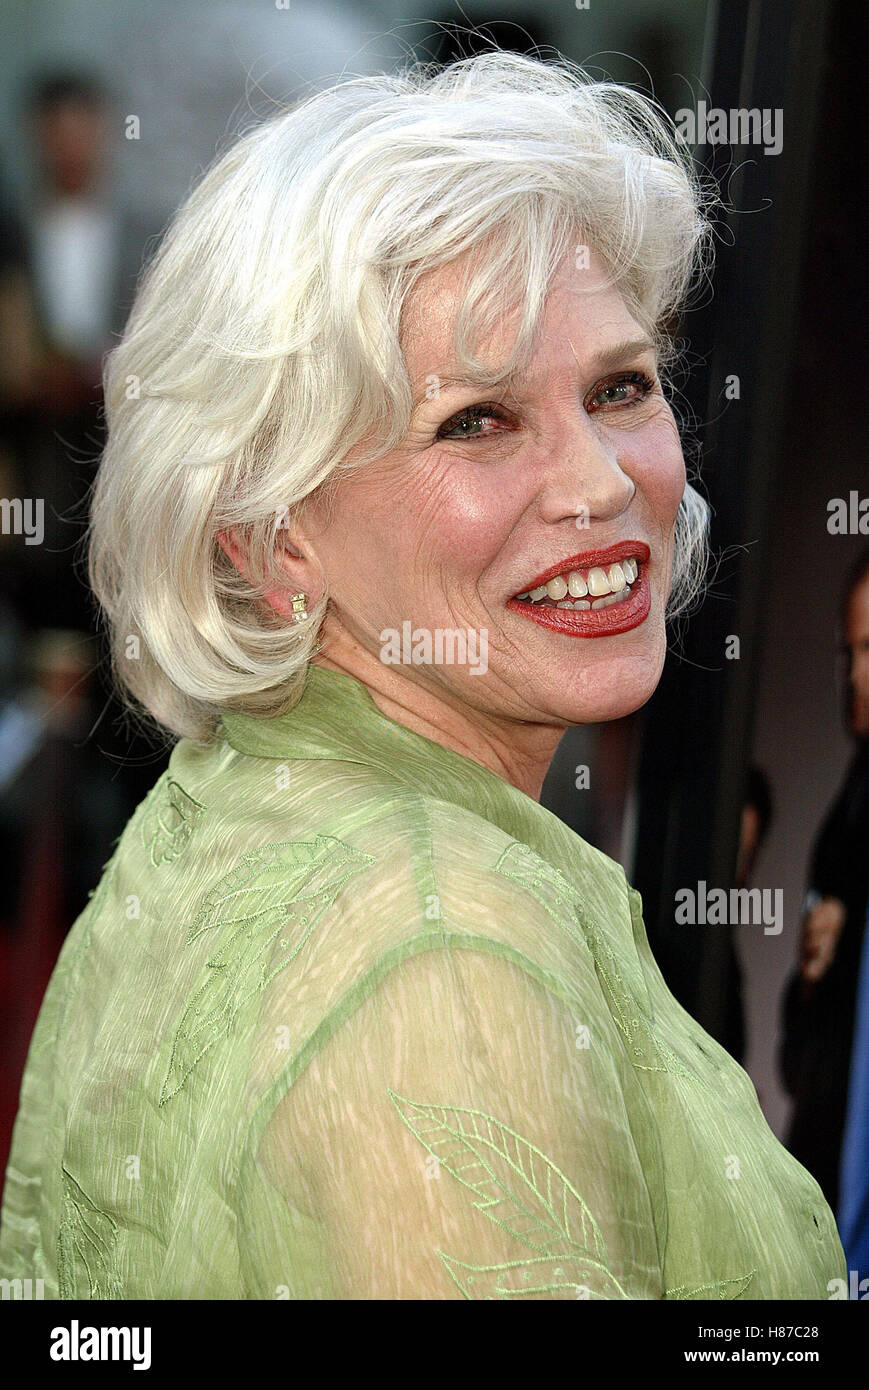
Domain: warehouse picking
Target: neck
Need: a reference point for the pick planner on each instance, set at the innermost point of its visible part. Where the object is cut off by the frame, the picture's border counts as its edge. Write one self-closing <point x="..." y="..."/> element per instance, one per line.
<point x="519" y="751"/>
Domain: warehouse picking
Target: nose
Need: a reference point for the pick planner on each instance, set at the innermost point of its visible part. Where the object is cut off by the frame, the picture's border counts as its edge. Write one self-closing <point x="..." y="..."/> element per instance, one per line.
<point x="582" y="475"/>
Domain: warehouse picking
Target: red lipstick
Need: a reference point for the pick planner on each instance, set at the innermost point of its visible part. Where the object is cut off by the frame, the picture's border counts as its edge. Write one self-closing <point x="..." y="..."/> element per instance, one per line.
<point x="628" y="613"/>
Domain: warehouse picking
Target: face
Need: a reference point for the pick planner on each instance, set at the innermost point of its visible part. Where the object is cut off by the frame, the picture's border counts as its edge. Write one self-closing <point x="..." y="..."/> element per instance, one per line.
<point x="857" y="648"/>
<point x="571" y="469"/>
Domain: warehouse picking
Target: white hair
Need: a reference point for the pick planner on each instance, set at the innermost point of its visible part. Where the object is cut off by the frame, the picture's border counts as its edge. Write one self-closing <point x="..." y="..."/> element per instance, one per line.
<point x="265" y="340"/>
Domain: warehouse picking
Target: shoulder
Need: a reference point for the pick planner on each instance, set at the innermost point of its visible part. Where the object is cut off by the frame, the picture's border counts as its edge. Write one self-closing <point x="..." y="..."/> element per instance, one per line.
<point x="354" y="870"/>
<point x="225" y="836"/>
<point x="218" y="795"/>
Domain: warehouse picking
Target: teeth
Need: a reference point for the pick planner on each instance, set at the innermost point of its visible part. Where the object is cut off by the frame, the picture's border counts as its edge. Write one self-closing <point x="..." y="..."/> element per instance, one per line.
<point x="598" y="582"/>
<point x="557" y="587"/>
<point x="608" y="599"/>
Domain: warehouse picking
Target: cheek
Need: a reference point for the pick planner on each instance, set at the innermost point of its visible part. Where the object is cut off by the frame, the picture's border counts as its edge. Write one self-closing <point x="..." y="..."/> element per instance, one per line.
<point x="459" y="521"/>
<point x="659" y="471"/>
<point x="413" y="531"/>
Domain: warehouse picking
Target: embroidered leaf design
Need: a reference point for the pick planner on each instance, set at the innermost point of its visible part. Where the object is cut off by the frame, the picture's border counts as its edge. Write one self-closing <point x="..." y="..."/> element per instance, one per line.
<point x="169" y="821"/>
<point x="272" y="877"/>
<point x="519" y="861"/>
<point x="554" y="892"/>
<point x="583" y="1278"/>
<point x="263" y="910"/>
<point x="647" y="1050"/>
<point x="724" y="1288"/>
<point x="85" y="1244"/>
<point x="521" y="1190"/>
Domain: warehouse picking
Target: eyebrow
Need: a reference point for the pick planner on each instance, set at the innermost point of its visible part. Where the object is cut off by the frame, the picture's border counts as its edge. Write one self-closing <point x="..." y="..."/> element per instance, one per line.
<point x="605" y="361"/>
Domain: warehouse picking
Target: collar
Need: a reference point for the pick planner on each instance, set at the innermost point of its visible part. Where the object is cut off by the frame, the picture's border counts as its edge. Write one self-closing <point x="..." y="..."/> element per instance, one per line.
<point x="336" y="718"/>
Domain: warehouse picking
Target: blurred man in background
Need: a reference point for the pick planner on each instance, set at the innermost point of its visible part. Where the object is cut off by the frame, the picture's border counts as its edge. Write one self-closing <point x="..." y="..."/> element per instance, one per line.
<point x="74" y="228"/>
<point x="72" y="235"/>
<point x="819" y="1007"/>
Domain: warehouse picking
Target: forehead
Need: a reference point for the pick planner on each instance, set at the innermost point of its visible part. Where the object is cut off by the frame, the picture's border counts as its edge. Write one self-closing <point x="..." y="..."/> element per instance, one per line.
<point x="583" y="314"/>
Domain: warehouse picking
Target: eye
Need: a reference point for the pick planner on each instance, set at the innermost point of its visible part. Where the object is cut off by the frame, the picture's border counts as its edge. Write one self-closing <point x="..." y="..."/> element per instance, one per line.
<point x="462" y="426"/>
<point x="629" y="389"/>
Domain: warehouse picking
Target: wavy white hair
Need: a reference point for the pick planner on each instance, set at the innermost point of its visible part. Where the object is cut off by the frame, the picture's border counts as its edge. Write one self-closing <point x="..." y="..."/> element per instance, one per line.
<point x="265" y="341"/>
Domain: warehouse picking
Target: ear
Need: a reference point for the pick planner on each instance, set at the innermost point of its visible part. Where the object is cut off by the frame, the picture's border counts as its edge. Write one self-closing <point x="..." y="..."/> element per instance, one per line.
<point x="279" y="597"/>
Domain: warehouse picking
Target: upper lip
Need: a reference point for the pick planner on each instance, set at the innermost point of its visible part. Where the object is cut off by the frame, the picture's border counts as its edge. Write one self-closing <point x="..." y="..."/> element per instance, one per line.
<point x="589" y="559"/>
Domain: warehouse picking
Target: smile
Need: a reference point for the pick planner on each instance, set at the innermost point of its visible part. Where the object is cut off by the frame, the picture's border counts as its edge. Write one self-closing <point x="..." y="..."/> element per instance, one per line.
<point x="603" y="587"/>
<point x="599" y="594"/>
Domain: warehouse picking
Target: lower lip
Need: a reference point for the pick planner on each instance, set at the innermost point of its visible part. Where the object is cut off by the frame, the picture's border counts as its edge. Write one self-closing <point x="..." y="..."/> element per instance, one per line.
<point x="593" y="622"/>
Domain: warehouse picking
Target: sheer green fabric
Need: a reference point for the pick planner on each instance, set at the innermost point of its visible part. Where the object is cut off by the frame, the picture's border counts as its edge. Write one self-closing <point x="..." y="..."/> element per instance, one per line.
<point x="349" y="1016"/>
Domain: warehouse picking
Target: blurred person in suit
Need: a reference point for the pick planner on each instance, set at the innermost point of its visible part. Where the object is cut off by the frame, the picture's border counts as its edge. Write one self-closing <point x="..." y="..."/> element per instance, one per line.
<point x="72" y="231"/>
<point x="82" y="252"/>
<point x="820" y="1000"/>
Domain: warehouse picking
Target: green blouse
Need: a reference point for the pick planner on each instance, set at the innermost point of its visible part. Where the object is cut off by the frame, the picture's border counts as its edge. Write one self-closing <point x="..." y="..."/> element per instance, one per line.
<point x="349" y="1016"/>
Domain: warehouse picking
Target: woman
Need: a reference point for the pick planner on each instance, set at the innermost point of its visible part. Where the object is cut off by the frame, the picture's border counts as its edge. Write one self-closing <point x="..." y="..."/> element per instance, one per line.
<point x="393" y="497"/>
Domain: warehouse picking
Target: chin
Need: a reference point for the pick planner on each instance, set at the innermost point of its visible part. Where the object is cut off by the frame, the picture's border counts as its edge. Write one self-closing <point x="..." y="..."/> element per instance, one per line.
<point x="617" y="707"/>
<point x="617" y="683"/>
